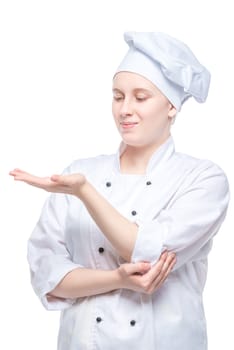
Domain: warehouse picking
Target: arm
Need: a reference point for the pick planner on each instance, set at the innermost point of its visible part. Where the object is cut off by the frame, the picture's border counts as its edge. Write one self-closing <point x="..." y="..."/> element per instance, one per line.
<point x="83" y="282"/>
<point x="47" y="254"/>
<point x="113" y="225"/>
<point x="139" y="277"/>
<point x="190" y="222"/>
<point x="58" y="281"/>
<point x="120" y="232"/>
<point x="185" y="228"/>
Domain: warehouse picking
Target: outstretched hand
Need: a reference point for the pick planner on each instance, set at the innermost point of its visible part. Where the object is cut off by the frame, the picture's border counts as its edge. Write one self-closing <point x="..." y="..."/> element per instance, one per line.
<point x="68" y="184"/>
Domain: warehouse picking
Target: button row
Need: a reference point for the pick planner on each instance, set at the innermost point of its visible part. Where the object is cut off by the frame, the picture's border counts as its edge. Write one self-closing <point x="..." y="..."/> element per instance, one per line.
<point x="132" y="322"/>
<point x="108" y="183"/>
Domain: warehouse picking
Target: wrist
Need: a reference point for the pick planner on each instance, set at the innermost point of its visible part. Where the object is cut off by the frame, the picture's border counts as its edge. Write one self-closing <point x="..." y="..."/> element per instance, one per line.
<point x="83" y="190"/>
<point x="117" y="279"/>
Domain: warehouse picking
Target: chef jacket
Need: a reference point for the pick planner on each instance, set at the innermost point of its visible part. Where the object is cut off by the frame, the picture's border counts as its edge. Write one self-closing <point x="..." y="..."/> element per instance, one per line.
<point x="179" y="205"/>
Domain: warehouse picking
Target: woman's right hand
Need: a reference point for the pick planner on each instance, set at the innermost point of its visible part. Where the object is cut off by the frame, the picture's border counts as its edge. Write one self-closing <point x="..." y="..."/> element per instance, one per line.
<point x="143" y="278"/>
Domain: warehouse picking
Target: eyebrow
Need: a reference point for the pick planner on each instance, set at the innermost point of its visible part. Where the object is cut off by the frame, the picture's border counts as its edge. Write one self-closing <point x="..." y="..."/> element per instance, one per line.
<point x="135" y="90"/>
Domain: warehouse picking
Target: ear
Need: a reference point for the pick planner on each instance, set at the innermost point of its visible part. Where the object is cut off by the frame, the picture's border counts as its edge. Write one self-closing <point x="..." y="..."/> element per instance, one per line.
<point x="172" y="111"/>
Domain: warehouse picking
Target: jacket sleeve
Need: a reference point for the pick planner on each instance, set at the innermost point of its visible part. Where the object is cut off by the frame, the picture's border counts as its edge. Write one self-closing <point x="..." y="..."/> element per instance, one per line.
<point x="48" y="256"/>
<point x="188" y="225"/>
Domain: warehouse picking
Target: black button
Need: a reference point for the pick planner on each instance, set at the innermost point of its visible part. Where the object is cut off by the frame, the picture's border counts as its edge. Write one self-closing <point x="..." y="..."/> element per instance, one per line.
<point x="148" y="183"/>
<point x="108" y="184"/>
<point x="132" y="323"/>
<point x="134" y="212"/>
<point x="101" y="250"/>
<point x="98" y="319"/>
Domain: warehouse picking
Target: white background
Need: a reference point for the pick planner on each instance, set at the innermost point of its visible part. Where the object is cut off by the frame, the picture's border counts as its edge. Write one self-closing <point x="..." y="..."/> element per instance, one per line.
<point x="57" y="59"/>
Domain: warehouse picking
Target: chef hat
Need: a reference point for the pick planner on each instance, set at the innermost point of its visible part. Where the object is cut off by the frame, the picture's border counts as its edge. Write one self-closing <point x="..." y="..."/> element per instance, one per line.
<point x="167" y="63"/>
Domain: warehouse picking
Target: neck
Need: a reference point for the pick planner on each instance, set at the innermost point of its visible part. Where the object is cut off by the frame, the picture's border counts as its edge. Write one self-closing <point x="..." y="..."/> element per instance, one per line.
<point x="134" y="160"/>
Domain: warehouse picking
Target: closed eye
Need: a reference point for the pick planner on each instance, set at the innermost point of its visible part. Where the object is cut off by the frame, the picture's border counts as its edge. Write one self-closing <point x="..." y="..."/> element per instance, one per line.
<point x="118" y="98"/>
<point x="141" y="97"/>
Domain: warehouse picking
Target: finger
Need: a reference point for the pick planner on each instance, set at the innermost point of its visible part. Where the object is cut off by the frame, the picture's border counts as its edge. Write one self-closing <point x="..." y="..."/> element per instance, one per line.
<point x="164" y="255"/>
<point x="44" y="183"/>
<point x="17" y="172"/>
<point x="170" y="267"/>
<point x="157" y="268"/>
<point x="65" y="180"/>
<point x="68" y="182"/>
<point x="166" y="269"/>
<point x="143" y="267"/>
<point x="136" y="268"/>
<point x="56" y="178"/>
<point x="36" y="181"/>
<point x="157" y="271"/>
<point x="21" y="174"/>
<point x="167" y="262"/>
<point x="140" y="268"/>
<point x="166" y="266"/>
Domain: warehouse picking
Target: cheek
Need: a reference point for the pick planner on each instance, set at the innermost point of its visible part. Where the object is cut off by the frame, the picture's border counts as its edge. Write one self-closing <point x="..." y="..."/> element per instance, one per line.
<point x="115" y="114"/>
<point x="159" y="112"/>
<point x="156" y="118"/>
<point x="114" y="109"/>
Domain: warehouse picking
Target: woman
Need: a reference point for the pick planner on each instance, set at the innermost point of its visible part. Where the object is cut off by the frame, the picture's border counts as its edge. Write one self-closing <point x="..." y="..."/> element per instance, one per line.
<point x="122" y="243"/>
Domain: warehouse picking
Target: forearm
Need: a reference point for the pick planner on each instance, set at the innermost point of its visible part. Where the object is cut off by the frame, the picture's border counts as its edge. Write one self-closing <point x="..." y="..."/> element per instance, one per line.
<point x="120" y="232"/>
<point x="86" y="282"/>
<point x="139" y="277"/>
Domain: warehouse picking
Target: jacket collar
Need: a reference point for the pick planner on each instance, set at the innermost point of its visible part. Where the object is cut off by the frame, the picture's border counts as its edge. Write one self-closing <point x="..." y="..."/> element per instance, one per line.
<point x="161" y="155"/>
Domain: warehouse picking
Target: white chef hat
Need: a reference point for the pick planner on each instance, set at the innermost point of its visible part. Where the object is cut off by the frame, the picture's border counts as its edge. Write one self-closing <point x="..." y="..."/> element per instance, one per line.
<point x="169" y="64"/>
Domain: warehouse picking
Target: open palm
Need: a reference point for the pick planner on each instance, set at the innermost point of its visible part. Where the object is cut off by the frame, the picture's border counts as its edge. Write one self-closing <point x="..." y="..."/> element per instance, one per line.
<point x="69" y="184"/>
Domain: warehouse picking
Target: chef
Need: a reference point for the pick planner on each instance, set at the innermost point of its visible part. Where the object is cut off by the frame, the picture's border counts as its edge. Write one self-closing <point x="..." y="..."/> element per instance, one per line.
<point x="122" y="242"/>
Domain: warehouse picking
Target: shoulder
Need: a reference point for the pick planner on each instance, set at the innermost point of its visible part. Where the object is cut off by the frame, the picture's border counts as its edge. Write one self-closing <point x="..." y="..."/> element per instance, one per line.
<point x="202" y="173"/>
<point x="196" y="164"/>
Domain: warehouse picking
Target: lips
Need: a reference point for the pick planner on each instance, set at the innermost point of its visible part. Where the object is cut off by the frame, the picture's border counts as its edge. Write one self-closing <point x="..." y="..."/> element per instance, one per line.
<point x="128" y="125"/>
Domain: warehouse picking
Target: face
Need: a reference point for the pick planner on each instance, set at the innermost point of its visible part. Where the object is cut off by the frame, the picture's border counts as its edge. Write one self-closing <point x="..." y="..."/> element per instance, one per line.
<point x="143" y="115"/>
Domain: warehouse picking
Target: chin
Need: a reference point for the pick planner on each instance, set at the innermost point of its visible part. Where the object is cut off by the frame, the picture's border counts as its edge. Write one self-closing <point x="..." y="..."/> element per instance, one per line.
<point x="133" y="143"/>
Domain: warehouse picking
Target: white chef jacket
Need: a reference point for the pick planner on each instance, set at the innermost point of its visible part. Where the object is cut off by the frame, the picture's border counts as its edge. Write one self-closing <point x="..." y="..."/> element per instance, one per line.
<point x="179" y="205"/>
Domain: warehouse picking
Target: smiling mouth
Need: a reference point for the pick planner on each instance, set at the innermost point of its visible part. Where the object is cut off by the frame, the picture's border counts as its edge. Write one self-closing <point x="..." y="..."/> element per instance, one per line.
<point x="127" y="125"/>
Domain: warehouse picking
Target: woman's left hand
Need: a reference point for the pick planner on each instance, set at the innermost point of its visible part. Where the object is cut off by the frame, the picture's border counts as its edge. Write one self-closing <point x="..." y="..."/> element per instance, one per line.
<point x="68" y="184"/>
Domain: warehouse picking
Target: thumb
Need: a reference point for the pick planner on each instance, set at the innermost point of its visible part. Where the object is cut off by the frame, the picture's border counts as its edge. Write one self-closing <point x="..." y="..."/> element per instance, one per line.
<point x="139" y="267"/>
<point x="55" y="178"/>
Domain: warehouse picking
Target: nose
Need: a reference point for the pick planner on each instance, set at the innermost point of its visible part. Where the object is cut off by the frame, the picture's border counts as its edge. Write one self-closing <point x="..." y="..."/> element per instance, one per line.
<point x="126" y="108"/>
